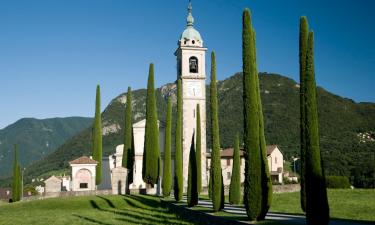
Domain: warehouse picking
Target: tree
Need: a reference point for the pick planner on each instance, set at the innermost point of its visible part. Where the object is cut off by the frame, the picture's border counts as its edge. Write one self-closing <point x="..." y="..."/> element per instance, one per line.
<point x="151" y="154"/>
<point x="215" y="140"/>
<point x="210" y="184"/>
<point x="128" y="152"/>
<point x="16" y="184"/>
<point x="192" y="192"/>
<point x="317" y="209"/>
<point x="235" y="182"/>
<point x="178" y="177"/>
<point x="97" y="138"/>
<point x="303" y="36"/>
<point x="265" y="173"/>
<point x="199" y="150"/>
<point x="222" y="198"/>
<point x="253" y="157"/>
<point x="167" y="169"/>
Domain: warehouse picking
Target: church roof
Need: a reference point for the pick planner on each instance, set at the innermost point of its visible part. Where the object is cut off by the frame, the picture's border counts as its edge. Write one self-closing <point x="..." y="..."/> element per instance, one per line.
<point x="228" y="152"/>
<point x="83" y="160"/>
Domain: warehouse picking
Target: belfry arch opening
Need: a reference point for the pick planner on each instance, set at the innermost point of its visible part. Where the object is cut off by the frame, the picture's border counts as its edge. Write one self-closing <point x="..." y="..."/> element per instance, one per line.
<point x="193" y="64"/>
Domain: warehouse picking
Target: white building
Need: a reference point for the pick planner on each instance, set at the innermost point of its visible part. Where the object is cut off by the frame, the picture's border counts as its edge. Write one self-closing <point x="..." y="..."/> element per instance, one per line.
<point x="115" y="160"/>
<point x="52" y="184"/>
<point x="275" y="163"/>
<point x="83" y="174"/>
<point x="191" y="69"/>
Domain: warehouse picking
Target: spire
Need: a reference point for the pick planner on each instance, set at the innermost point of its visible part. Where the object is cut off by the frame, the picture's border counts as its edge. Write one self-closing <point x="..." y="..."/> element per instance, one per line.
<point x="190" y="18"/>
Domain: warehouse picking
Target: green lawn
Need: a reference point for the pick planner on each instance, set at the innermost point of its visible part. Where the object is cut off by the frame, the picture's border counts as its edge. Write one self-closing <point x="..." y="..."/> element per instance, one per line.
<point x="105" y="210"/>
<point x="357" y="204"/>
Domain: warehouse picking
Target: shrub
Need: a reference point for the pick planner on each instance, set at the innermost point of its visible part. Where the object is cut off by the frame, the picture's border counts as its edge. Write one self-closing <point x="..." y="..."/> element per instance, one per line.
<point x="337" y="182"/>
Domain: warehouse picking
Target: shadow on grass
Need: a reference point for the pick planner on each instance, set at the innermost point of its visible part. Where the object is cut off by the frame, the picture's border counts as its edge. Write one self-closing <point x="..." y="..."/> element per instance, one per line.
<point x="109" y="202"/>
<point x="139" y="211"/>
<point x="91" y="220"/>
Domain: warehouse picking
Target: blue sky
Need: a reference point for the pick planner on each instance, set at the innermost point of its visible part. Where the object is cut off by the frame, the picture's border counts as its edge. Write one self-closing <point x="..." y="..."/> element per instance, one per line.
<point x="54" y="52"/>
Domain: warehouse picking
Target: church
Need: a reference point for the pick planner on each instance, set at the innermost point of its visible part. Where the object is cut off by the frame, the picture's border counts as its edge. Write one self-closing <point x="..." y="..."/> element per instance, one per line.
<point x="190" y="56"/>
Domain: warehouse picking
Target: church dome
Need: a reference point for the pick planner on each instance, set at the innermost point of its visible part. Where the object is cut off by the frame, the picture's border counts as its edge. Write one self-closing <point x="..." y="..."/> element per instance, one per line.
<point x="191" y="34"/>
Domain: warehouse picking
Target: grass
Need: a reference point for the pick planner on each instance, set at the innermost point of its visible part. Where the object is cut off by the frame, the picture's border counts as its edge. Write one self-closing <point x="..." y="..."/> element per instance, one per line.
<point x="104" y="210"/>
<point x="356" y="204"/>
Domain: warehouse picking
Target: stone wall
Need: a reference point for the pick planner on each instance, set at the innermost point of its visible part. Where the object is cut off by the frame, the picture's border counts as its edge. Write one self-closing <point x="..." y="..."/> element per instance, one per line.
<point x="67" y="194"/>
<point x="285" y="188"/>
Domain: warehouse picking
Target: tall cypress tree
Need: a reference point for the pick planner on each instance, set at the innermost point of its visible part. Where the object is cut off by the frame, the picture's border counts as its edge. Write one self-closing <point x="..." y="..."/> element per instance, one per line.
<point x="199" y="150"/>
<point x="178" y="176"/>
<point x="303" y="36"/>
<point x="222" y="196"/>
<point x="16" y="185"/>
<point x="253" y="168"/>
<point x="167" y="169"/>
<point x="210" y="184"/>
<point x="192" y="192"/>
<point x="128" y="152"/>
<point x="215" y="154"/>
<point x="151" y="154"/>
<point x="317" y="209"/>
<point x="97" y="138"/>
<point x="265" y="173"/>
<point x="235" y="182"/>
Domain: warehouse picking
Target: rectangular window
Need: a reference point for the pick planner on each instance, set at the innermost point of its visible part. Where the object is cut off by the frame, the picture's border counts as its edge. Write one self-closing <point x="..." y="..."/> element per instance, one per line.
<point x="228" y="175"/>
<point x="275" y="159"/>
<point x="83" y="185"/>
<point x="228" y="162"/>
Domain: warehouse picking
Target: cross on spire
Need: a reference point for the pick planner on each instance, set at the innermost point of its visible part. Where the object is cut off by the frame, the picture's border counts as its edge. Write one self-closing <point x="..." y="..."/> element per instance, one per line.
<point x="190" y="18"/>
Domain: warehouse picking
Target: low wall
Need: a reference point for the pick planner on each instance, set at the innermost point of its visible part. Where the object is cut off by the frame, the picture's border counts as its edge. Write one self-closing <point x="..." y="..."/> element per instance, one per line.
<point x="67" y="194"/>
<point x="286" y="188"/>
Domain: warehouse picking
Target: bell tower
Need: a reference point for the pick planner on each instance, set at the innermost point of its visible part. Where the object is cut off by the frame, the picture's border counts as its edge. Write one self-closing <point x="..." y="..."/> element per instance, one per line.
<point x="191" y="70"/>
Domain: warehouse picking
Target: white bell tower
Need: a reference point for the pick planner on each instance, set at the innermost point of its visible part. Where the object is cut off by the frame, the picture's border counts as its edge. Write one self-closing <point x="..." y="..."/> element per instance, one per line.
<point x="192" y="72"/>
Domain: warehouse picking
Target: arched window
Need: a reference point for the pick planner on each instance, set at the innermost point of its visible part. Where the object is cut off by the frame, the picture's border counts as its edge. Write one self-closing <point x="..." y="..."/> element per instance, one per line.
<point x="193" y="64"/>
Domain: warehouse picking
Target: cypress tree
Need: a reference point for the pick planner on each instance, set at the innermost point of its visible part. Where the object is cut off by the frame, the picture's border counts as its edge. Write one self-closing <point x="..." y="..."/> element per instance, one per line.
<point x="235" y="182"/>
<point x="265" y="173"/>
<point x="16" y="185"/>
<point x="128" y="152"/>
<point x="317" y="209"/>
<point x="210" y="185"/>
<point x="215" y="154"/>
<point x="97" y="138"/>
<point x="178" y="177"/>
<point x="167" y="169"/>
<point x="253" y="169"/>
<point x="303" y="36"/>
<point x="199" y="150"/>
<point x="192" y="192"/>
<point x="151" y="154"/>
<point x="222" y="198"/>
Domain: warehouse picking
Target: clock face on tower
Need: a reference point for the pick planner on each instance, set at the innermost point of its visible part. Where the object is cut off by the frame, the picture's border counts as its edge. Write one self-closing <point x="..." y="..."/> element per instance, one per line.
<point x="193" y="89"/>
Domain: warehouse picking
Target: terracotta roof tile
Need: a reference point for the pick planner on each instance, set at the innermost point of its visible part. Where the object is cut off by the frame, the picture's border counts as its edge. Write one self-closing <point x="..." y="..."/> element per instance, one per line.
<point x="228" y="152"/>
<point x="83" y="160"/>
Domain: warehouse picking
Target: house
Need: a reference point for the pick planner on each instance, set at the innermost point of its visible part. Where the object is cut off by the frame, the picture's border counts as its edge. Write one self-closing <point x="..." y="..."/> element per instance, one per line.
<point x="275" y="163"/>
<point x="5" y="194"/>
<point x="53" y="184"/>
<point x="83" y="174"/>
<point x="274" y="157"/>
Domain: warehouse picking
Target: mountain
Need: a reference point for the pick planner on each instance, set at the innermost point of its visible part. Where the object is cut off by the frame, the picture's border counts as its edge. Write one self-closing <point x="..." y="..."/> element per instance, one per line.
<point x="36" y="138"/>
<point x="347" y="129"/>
